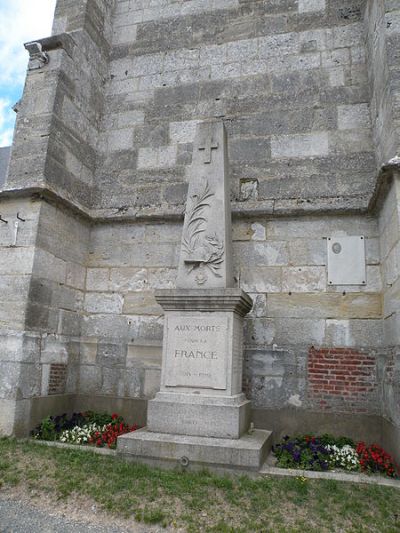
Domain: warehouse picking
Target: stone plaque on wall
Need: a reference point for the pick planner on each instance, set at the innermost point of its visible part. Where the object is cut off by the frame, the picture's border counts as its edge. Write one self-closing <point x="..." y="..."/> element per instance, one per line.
<point x="196" y="349"/>
<point x="346" y="260"/>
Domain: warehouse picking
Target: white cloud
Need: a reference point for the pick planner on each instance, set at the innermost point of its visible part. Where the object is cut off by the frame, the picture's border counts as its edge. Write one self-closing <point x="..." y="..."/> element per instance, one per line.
<point x="7" y="118"/>
<point x="21" y="21"/>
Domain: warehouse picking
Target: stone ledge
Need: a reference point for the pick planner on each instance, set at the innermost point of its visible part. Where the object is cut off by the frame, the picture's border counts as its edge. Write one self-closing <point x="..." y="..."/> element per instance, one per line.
<point x="268" y="470"/>
<point x="234" y="300"/>
<point x="290" y="207"/>
<point x="159" y="449"/>
<point x="77" y="447"/>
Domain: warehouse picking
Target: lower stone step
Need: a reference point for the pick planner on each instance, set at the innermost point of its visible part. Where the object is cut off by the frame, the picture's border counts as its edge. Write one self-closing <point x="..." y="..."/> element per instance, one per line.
<point x="166" y="450"/>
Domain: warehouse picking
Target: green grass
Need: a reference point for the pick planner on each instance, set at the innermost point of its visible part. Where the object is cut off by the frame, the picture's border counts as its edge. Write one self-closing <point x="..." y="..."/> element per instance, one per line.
<point x="199" y="501"/>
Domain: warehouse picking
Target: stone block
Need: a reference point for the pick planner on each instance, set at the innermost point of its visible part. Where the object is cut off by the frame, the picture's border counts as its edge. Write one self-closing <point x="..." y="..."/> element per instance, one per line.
<point x="162" y="157"/>
<point x="119" y="140"/>
<point x="105" y="326"/>
<point x="16" y="260"/>
<point x="14" y="318"/>
<point x="128" y="279"/>
<point x="63" y="297"/>
<point x="49" y="267"/>
<point x="14" y="288"/>
<point x="261" y="279"/>
<point x="98" y="279"/>
<point x="259" y="332"/>
<point x="337" y="77"/>
<point x="290" y="146"/>
<point x="145" y="356"/>
<point x="54" y="350"/>
<point x="75" y="275"/>
<point x="310" y="6"/>
<point x="163" y="233"/>
<point x="162" y="278"/>
<point x="90" y="378"/>
<point x="299" y="331"/>
<point x="335" y="58"/>
<point x="241" y="231"/>
<point x="189" y="414"/>
<point x="288" y="229"/>
<point x="112" y="380"/>
<point x="103" y="303"/>
<point x="259" y="309"/>
<point x="111" y="355"/>
<point x="304" y="279"/>
<point x="176" y="193"/>
<point x="348" y="35"/>
<point x="307" y="252"/>
<point x="354" y="116"/>
<point x="88" y="351"/>
<point x="124" y="34"/>
<point x="7" y="417"/>
<point x="250" y="150"/>
<point x="325" y="305"/>
<point x="391" y="329"/>
<point x="69" y="323"/>
<point x="366" y="333"/>
<point x="152" y="382"/>
<point x="183" y="132"/>
<point x="266" y="253"/>
<point x="142" y="303"/>
<point x="20" y="347"/>
<point x="134" y="378"/>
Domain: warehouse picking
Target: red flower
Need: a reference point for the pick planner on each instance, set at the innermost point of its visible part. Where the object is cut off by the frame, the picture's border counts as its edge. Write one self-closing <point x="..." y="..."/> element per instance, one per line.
<point x="375" y="459"/>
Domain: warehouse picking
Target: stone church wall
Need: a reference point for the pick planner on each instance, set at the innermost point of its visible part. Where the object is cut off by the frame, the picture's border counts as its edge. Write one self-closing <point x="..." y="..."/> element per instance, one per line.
<point x="42" y="281"/>
<point x="383" y="41"/>
<point x="389" y="226"/>
<point x="289" y="78"/>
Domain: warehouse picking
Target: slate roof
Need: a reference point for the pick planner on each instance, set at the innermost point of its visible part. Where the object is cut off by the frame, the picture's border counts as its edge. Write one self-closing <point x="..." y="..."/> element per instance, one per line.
<point x="5" y="153"/>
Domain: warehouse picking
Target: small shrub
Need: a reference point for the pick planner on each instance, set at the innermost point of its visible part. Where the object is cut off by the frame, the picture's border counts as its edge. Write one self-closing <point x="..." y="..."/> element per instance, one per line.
<point x="46" y="430"/>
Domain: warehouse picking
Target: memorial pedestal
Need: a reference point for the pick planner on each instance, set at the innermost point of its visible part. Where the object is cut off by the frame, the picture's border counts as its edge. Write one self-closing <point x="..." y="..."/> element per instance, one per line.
<point x="200" y="412"/>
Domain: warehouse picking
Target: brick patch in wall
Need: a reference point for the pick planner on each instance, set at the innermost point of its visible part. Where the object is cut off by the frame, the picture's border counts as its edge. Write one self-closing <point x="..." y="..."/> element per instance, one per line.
<point x="342" y="378"/>
<point x="57" y="378"/>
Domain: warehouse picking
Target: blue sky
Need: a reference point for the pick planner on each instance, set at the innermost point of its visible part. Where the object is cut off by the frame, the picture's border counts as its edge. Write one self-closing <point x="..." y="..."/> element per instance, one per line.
<point x="20" y="21"/>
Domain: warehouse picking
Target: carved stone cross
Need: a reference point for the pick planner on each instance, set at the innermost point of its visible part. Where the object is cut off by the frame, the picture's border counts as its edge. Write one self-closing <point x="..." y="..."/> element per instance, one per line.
<point x="208" y="147"/>
<point x="206" y="248"/>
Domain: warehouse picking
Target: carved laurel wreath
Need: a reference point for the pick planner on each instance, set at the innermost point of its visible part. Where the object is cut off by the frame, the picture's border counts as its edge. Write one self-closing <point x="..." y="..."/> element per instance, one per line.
<point x="195" y="242"/>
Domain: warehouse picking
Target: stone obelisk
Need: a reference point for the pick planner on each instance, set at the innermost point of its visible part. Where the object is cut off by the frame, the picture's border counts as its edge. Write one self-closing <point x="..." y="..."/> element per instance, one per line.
<point x="200" y="406"/>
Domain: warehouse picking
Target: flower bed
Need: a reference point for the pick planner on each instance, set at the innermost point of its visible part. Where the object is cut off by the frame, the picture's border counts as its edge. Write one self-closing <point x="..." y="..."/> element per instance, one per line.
<point x="308" y="452"/>
<point x="89" y="428"/>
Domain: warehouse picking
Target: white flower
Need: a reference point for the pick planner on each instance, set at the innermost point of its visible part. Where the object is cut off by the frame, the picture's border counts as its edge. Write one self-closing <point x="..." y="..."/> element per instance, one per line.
<point x="345" y="457"/>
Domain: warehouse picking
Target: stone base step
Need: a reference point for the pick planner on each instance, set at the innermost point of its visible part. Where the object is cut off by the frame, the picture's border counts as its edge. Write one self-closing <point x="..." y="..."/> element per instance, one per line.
<point x="166" y="450"/>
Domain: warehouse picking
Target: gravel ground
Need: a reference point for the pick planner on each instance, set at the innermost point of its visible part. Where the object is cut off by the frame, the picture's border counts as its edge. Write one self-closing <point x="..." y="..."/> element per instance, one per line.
<point x="23" y="516"/>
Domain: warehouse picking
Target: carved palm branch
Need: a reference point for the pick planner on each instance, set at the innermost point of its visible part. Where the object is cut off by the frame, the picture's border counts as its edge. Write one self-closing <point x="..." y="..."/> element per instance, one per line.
<point x="196" y="221"/>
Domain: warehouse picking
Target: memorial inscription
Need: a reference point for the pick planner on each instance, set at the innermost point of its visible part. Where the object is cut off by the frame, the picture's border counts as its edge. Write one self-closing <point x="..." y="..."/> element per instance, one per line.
<point x="196" y="354"/>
